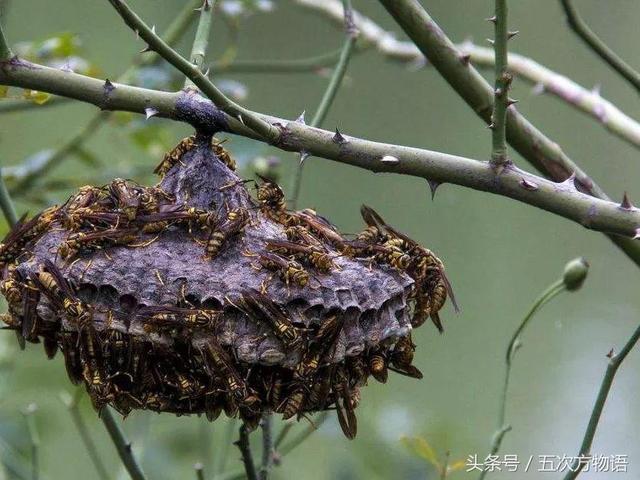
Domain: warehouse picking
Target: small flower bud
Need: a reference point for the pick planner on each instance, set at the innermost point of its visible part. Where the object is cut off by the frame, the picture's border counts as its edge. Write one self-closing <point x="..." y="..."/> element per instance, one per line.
<point x="575" y="273"/>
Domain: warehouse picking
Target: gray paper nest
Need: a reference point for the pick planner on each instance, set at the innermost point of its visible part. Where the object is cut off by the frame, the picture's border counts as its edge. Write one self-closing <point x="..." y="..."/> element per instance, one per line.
<point x="126" y="362"/>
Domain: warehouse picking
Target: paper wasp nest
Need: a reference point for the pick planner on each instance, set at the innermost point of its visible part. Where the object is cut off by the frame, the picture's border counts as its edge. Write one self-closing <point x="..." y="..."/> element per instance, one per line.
<point x="193" y="297"/>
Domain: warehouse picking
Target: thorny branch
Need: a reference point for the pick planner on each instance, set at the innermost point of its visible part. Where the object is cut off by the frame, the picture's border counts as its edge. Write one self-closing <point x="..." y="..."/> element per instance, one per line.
<point x="245" y="451"/>
<point x="562" y="198"/>
<point x="502" y="84"/>
<point x="201" y="40"/>
<point x="266" y="424"/>
<point x="587" y="101"/>
<point x="582" y="29"/>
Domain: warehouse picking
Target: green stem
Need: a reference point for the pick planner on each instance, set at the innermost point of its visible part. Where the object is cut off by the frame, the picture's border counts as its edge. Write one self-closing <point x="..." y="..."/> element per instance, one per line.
<point x="331" y="91"/>
<point x="245" y="451"/>
<point x="582" y="29"/>
<point x="72" y="405"/>
<point x="302" y="436"/>
<point x="6" y="204"/>
<point x="501" y="88"/>
<point x="123" y="446"/>
<point x="503" y="428"/>
<point x="266" y="131"/>
<point x="5" y="50"/>
<point x="605" y="387"/>
<point x="201" y="40"/>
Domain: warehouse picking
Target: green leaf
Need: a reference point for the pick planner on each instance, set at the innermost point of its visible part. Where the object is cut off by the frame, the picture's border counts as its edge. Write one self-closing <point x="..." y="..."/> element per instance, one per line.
<point x="420" y="447"/>
<point x="3" y="91"/>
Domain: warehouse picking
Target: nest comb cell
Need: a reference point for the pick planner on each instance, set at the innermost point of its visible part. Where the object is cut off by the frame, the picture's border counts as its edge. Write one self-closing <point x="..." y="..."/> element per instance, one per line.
<point x="194" y="297"/>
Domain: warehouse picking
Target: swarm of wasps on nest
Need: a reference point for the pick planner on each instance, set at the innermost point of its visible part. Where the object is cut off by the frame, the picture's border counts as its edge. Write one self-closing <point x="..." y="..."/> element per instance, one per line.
<point x="195" y="297"/>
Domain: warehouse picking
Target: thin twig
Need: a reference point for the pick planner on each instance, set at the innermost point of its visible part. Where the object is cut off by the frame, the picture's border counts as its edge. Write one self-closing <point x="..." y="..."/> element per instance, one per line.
<point x="503" y="79"/>
<point x="174" y="32"/>
<point x="72" y="405"/>
<point x="330" y="93"/>
<point x="582" y="29"/>
<point x="266" y="424"/>
<point x="201" y="40"/>
<point x="614" y="363"/>
<point x="302" y="436"/>
<point x="503" y="428"/>
<point x="585" y="100"/>
<point x="34" y="439"/>
<point x="123" y="446"/>
<point x="250" y="119"/>
<point x="6" y="204"/>
<point x="220" y="461"/>
<point x="300" y="65"/>
<point x="245" y="451"/>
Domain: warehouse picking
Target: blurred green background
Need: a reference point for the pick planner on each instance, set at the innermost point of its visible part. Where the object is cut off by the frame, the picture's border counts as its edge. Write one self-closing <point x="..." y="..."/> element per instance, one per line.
<point x="499" y="254"/>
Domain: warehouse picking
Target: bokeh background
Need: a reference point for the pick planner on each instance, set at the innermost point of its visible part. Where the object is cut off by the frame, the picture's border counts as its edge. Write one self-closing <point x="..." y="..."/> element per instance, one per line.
<point x="499" y="254"/>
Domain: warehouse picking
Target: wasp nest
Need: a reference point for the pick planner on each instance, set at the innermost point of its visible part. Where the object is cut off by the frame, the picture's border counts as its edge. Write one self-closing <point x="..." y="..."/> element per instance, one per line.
<point x="193" y="297"/>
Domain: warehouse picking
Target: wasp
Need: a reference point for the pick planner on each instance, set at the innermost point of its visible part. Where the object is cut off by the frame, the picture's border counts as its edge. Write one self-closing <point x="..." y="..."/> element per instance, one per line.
<point x="94" y="376"/>
<point x="219" y="361"/>
<point x="79" y="241"/>
<point x="87" y="196"/>
<point x="272" y="201"/>
<point x="320" y="226"/>
<point x="186" y="384"/>
<point x="313" y="255"/>
<point x="359" y="370"/>
<point x="290" y="271"/>
<point x="259" y="306"/>
<point x="294" y="403"/>
<point x="87" y="218"/>
<point x="125" y="197"/>
<point x="274" y="389"/>
<point x="323" y="340"/>
<point x="344" y="403"/>
<point x="152" y="198"/>
<point x="213" y="406"/>
<point x="319" y="391"/>
<point x="116" y="347"/>
<point x="222" y="154"/>
<point x="30" y="318"/>
<point x="168" y="316"/>
<point x="52" y="283"/>
<point x="236" y="220"/>
<point x="378" y="367"/>
<point x="173" y="157"/>
<point x="22" y="233"/>
<point x="11" y="288"/>
<point x="68" y="343"/>
<point x="402" y="356"/>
